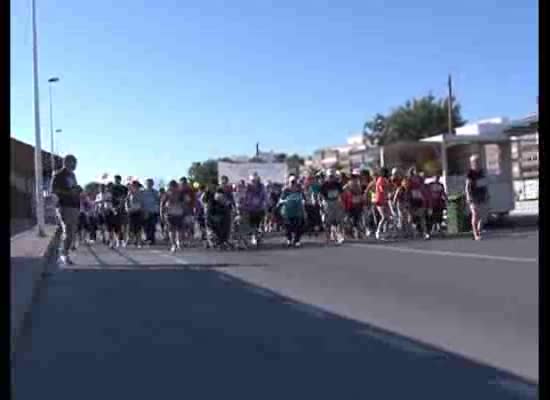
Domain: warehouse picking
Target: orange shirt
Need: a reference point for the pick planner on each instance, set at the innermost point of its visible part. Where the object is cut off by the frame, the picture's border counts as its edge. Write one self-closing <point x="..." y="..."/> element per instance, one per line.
<point x="380" y="190"/>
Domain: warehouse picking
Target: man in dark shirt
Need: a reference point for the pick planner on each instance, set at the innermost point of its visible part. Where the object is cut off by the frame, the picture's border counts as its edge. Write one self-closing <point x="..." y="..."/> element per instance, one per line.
<point x="65" y="188"/>
<point x="119" y="192"/>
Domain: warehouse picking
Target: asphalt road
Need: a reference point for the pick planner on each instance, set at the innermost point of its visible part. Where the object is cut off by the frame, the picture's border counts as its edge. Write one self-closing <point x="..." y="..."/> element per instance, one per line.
<point x="450" y="319"/>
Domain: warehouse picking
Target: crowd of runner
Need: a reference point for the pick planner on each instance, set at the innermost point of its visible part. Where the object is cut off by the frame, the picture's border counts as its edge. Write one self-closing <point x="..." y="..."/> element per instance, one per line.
<point x="225" y="215"/>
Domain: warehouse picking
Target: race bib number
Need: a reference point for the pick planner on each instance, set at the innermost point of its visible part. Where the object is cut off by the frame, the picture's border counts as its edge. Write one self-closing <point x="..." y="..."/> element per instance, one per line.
<point x="416" y="194"/>
<point x="135" y="207"/>
<point x="356" y="199"/>
<point x="189" y="220"/>
<point x="187" y="198"/>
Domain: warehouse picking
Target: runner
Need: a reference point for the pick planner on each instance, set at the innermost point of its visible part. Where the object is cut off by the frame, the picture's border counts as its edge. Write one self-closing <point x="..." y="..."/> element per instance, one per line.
<point x="477" y="195"/>
<point x="162" y="220"/>
<point x="354" y="204"/>
<point x="112" y="227"/>
<point x="402" y="204"/>
<point x="151" y="206"/>
<point x="372" y="216"/>
<point x="135" y="209"/>
<point x="292" y="203"/>
<point x="331" y="191"/>
<point x="100" y="212"/>
<point x="200" y="212"/>
<point x="172" y="212"/>
<point x="255" y="204"/>
<point x="119" y="192"/>
<point x="65" y="188"/>
<point x="382" y="192"/>
<point x="419" y="202"/>
<point x="272" y="218"/>
<point x="189" y="202"/>
<point x="85" y="227"/>
<point x="439" y="203"/>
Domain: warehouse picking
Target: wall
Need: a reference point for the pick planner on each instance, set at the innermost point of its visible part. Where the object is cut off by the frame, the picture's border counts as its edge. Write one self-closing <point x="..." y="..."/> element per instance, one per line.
<point x="22" y="178"/>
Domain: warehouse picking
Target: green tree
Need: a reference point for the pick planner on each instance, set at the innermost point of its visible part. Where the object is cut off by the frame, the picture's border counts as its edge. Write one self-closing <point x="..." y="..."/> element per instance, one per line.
<point x="415" y="120"/>
<point x="420" y="118"/>
<point x="204" y="172"/>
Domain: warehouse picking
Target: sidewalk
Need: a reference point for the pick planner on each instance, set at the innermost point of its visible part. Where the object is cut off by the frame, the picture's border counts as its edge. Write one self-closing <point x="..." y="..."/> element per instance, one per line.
<point x="30" y="256"/>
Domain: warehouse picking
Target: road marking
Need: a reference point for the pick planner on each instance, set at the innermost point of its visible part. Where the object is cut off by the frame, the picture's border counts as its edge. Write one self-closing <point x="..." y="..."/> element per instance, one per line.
<point x="446" y="253"/>
<point x="525" y="390"/>
<point x="400" y="343"/>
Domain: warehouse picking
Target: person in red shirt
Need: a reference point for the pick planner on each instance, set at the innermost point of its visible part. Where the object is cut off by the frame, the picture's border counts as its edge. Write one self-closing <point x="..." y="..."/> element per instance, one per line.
<point x="439" y="202"/>
<point x="382" y="190"/>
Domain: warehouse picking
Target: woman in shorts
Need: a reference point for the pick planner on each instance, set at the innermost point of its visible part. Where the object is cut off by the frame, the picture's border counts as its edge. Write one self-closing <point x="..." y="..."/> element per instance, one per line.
<point x="477" y="195"/>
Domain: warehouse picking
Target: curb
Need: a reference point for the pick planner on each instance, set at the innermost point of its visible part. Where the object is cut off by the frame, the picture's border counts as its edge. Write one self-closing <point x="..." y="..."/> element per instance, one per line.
<point x="44" y="270"/>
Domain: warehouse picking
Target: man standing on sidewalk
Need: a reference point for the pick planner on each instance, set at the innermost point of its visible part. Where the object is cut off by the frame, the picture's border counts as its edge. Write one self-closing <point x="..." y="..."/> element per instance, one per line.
<point x="65" y="187"/>
<point x="151" y="206"/>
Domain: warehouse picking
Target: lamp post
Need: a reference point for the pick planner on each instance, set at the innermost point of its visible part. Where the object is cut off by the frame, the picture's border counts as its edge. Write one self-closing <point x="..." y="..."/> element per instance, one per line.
<point x="37" y="147"/>
<point x="51" y="81"/>
<point x="57" y="142"/>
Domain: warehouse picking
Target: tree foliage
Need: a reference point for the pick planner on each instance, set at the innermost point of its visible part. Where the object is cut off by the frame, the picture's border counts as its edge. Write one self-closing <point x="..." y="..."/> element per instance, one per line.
<point x="205" y="172"/>
<point x="415" y="120"/>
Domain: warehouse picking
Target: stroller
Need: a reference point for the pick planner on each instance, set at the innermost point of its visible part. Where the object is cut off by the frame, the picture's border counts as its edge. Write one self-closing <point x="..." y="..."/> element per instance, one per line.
<point x="218" y="222"/>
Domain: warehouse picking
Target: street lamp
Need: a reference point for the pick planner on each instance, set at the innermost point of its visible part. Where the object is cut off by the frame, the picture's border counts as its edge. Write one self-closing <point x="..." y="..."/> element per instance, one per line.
<point x="51" y="81"/>
<point x="37" y="147"/>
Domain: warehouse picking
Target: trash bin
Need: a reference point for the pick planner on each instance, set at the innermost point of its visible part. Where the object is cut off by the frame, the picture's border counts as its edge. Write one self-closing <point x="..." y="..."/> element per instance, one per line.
<point x="457" y="221"/>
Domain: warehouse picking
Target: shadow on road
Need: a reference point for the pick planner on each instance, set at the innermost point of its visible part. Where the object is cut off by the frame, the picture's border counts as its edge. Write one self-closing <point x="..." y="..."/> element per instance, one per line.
<point x="178" y="333"/>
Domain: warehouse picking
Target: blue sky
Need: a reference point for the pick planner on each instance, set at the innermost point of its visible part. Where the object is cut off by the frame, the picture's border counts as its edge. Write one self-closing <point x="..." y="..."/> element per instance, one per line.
<point x="147" y="87"/>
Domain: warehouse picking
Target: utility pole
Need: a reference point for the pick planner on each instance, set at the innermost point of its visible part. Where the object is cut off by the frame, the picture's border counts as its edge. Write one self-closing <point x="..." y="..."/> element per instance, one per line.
<point x="37" y="146"/>
<point x="450" y="106"/>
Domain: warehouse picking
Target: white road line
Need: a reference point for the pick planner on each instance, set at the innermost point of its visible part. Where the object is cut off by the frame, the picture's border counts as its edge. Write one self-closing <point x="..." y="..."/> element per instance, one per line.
<point x="522" y="389"/>
<point x="446" y="253"/>
<point x="400" y="343"/>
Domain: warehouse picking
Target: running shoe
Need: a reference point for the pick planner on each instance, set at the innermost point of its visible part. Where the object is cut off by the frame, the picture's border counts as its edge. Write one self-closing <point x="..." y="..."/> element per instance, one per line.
<point x="297" y="245"/>
<point x="65" y="260"/>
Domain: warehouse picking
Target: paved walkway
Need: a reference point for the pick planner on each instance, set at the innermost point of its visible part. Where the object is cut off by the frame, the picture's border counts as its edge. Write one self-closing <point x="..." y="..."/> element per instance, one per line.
<point x="27" y="263"/>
